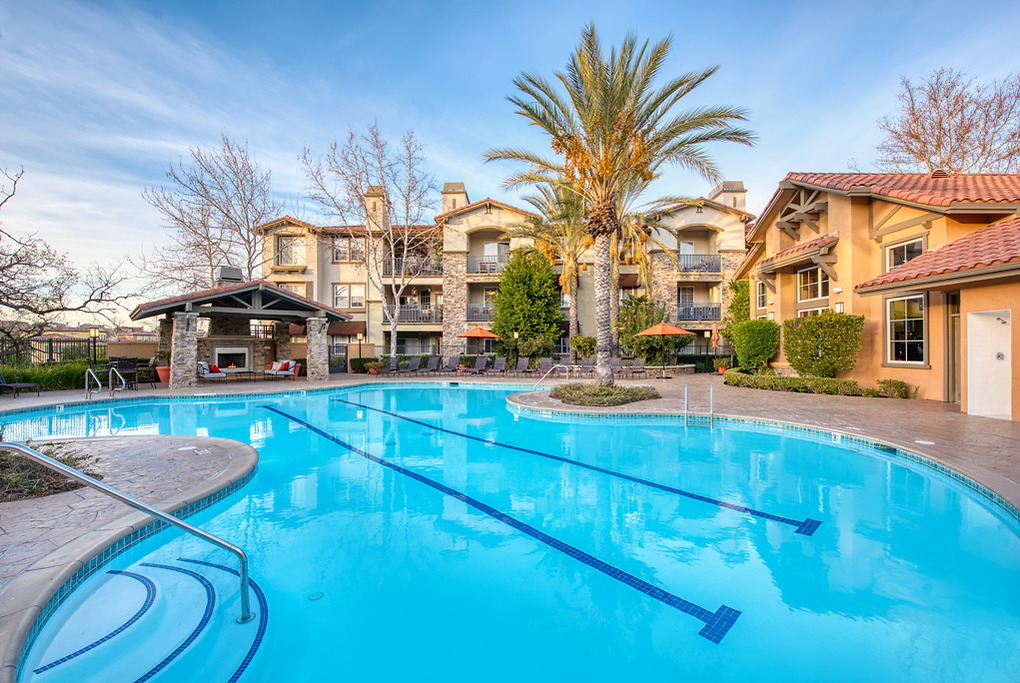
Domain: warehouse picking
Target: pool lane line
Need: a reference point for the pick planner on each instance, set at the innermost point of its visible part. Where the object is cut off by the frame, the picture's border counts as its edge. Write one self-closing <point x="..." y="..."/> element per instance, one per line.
<point x="717" y="623"/>
<point x="150" y="598"/>
<point x="210" y="603"/>
<point x="260" y="634"/>
<point x="806" y="527"/>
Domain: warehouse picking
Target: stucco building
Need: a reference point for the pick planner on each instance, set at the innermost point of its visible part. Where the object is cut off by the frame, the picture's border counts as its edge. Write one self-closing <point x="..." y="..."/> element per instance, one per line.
<point x="932" y="262"/>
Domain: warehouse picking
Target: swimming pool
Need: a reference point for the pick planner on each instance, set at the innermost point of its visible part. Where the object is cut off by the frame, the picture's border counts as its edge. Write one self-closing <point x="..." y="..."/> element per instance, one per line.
<point x="430" y="533"/>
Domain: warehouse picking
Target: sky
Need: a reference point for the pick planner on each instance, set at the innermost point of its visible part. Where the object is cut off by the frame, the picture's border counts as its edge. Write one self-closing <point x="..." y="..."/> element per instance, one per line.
<point x="98" y="98"/>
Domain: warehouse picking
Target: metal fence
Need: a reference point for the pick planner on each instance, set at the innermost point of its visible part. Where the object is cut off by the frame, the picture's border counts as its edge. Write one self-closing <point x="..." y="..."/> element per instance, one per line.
<point x="41" y="350"/>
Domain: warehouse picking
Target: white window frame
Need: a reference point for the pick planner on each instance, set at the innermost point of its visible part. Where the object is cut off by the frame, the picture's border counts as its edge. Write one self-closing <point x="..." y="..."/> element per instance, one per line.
<point x="352" y="252"/>
<point x="891" y="341"/>
<point x="889" y="250"/>
<point x="292" y="256"/>
<point x="299" y="288"/>
<point x="821" y="284"/>
<point x="808" y="312"/>
<point x="761" y="295"/>
<point x="348" y="299"/>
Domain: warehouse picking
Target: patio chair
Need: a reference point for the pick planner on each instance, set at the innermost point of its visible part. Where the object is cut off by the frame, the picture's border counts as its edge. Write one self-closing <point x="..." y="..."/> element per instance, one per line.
<point x="147" y="373"/>
<point x="637" y="367"/>
<point x="431" y="366"/>
<point x="16" y="387"/>
<point x="545" y="365"/>
<point x="480" y="363"/>
<point x="128" y="369"/>
<point x="391" y="366"/>
<point x="587" y="366"/>
<point x="209" y="371"/>
<point x="451" y="366"/>
<point x="412" y="366"/>
<point x="522" y="366"/>
<point x="284" y="368"/>
<point x="498" y="367"/>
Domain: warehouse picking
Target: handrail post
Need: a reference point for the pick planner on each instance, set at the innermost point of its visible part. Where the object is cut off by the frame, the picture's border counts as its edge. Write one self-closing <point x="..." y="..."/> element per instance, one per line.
<point x="48" y="462"/>
<point x="90" y="373"/>
<point x="114" y="372"/>
<point x="549" y="372"/>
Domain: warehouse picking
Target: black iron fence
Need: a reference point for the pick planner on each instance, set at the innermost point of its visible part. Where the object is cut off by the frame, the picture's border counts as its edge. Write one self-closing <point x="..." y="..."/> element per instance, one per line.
<point x="40" y="350"/>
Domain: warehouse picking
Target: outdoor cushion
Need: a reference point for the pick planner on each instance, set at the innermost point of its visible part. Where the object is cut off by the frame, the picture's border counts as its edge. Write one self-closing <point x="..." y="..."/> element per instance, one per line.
<point x="213" y="367"/>
<point x="275" y="365"/>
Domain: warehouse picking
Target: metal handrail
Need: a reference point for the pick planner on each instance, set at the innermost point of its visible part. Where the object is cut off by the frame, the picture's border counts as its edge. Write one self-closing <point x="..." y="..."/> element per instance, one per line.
<point x="551" y="370"/>
<point x="35" y="456"/>
<point x="89" y="373"/>
<point x="114" y="372"/>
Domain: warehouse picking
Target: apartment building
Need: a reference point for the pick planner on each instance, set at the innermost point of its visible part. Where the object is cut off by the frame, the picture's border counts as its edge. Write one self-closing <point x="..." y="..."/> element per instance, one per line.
<point x="931" y="260"/>
<point x="455" y="279"/>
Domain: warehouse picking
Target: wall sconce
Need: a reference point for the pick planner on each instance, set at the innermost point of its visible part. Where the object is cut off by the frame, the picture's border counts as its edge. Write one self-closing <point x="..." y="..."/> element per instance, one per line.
<point x="708" y="333"/>
<point x="771" y="302"/>
<point x="839" y="307"/>
<point x="772" y="315"/>
<point x="837" y="290"/>
<point x="699" y="209"/>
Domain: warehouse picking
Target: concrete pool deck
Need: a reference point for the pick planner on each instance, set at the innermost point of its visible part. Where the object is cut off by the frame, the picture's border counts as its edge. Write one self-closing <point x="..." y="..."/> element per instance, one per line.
<point x="984" y="449"/>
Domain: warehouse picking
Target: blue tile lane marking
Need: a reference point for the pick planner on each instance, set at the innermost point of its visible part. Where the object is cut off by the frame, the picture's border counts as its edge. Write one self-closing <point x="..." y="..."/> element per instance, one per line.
<point x="807" y="527"/>
<point x="260" y="634"/>
<point x="210" y="603"/>
<point x="717" y="623"/>
<point x="150" y="598"/>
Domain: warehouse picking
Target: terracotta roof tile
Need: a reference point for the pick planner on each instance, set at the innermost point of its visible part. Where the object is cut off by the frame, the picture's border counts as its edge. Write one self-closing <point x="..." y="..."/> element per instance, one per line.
<point x="998" y="244"/>
<point x="923" y="188"/>
<point x="818" y="242"/>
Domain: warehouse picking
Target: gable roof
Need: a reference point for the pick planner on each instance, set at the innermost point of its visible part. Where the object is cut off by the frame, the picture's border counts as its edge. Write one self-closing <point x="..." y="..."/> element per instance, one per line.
<point x="809" y="247"/>
<point x="988" y="251"/>
<point x="240" y="298"/>
<point x="482" y="202"/>
<point x="711" y="203"/>
<point x="931" y="189"/>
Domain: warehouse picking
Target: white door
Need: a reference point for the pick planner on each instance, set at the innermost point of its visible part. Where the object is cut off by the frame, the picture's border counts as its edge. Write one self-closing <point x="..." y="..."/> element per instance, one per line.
<point x="989" y="364"/>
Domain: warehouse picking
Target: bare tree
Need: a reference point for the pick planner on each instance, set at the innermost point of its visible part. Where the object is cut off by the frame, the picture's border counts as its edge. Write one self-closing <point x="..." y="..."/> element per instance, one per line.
<point x="949" y="121"/>
<point x="383" y="195"/>
<point x="211" y="207"/>
<point x="38" y="283"/>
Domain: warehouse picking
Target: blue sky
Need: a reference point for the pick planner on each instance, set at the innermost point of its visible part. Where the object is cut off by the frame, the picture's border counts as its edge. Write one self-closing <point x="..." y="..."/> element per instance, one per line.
<point x="98" y="97"/>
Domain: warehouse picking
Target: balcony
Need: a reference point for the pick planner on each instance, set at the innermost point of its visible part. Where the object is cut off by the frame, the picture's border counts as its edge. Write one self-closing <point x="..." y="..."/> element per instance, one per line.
<point x="700" y="263"/>
<point x="699" y="312"/>
<point x="425" y="265"/>
<point x="486" y="265"/>
<point x="479" y="312"/>
<point x="416" y="314"/>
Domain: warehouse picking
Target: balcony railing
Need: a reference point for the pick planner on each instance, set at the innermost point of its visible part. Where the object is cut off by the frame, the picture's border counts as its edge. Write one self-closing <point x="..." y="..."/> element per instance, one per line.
<point x="700" y="312"/>
<point x="479" y="312"/>
<point x="426" y="265"/>
<point x="417" y="314"/>
<point x="700" y="263"/>
<point x="486" y="264"/>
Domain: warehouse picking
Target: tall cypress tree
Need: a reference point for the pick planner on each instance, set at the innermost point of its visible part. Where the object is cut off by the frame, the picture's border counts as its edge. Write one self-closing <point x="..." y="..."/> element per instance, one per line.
<point x="528" y="302"/>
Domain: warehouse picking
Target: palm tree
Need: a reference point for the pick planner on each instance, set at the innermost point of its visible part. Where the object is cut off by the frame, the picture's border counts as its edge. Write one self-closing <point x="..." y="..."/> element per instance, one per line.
<point x="559" y="233"/>
<point x="611" y="130"/>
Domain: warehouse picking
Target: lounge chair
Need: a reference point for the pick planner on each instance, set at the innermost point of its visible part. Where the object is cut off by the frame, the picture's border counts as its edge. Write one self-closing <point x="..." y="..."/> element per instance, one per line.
<point x="208" y="371"/>
<point x="451" y="366"/>
<point x="498" y="367"/>
<point x="636" y="368"/>
<point x="411" y="366"/>
<point x="431" y="366"/>
<point x="545" y="365"/>
<point x="480" y="363"/>
<point x="391" y="366"/>
<point x="522" y="366"/>
<point x="284" y="368"/>
<point x="587" y="366"/>
<point x="16" y="387"/>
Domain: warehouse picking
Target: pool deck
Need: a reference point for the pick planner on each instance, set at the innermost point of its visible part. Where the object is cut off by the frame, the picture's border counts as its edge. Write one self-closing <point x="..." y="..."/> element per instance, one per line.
<point x="37" y="552"/>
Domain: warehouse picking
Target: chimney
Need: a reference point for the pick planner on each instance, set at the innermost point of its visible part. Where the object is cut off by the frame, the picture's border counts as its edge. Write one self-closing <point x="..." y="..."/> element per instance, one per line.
<point x="227" y="275"/>
<point x="730" y="193"/>
<point x="376" y="209"/>
<point x="454" y="197"/>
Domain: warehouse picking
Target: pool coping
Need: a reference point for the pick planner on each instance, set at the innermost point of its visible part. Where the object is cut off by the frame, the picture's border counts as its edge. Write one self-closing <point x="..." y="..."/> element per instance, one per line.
<point x="31" y="597"/>
<point x="995" y="488"/>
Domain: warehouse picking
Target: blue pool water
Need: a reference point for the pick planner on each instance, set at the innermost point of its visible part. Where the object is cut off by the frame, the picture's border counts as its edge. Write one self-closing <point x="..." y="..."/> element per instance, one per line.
<point x="433" y="534"/>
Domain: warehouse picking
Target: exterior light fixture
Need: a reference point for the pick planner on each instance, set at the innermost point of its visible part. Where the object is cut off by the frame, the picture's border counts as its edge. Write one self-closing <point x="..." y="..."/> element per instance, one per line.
<point x="772" y="315"/>
<point x="839" y="307"/>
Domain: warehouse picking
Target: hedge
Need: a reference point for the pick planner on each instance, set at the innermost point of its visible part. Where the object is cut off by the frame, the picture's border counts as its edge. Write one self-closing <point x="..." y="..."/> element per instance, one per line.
<point x="756" y="342"/>
<point x="806" y="385"/>
<point x="49" y="376"/>
<point x="823" y="345"/>
<point x="589" y="395"/>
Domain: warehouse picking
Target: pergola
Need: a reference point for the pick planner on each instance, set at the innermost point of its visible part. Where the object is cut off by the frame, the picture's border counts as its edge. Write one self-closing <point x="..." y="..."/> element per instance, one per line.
<point x="230" y="310"/>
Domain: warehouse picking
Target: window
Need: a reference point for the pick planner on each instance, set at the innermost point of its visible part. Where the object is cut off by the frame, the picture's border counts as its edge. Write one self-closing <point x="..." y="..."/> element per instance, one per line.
<point x="906" y="329"/>
<point x="348" y="296"/>
<point x="425" y="297"/>
<point x="348" y="249"/>
<point x="812" y="284"/>
<point x="290" y="251"/>
<point x="296" y="287"/>
<point x="686" y="248"/>
<point x="901" y="253"/>
<point x="808" y="312"/>
<point x="565" y="299"/>
<point x="761" y="295"/>
<point x="489" y="294"/>
<point x="687" y="296"/>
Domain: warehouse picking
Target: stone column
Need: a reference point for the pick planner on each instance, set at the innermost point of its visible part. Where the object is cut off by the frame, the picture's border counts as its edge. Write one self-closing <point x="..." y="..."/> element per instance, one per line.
<point x="664" y="283"/>
<point x="184" y="355"/>
<point x="318" y="353"/>
<point x="166" y="334"/>
<point x="281" y="336"/>
<point x="454" y="301"/>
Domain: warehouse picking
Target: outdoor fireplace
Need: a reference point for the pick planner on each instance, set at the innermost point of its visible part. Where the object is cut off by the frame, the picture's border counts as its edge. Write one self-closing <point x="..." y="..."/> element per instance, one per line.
<point x="232" y="358"/>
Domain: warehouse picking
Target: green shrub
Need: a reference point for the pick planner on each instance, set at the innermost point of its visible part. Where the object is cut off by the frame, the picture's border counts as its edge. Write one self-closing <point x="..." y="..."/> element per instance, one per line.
<point x="22" y="478"/>
<point x="578" y="394"/>
<point x="739" y="309"/>
<point x="536" y="346"/>
<point x="358" y="364"/>
<point x="50" y="376"/>
<point x="893" y="388"/>
<point x="805" y="385"/>
<point x="756" y="342"/>
<point x="823" y="345"/>
<point x="584" y="347"/>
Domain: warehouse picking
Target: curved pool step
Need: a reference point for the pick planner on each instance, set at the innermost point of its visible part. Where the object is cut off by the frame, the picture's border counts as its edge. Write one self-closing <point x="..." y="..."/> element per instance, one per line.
<point x="169" y="623"/>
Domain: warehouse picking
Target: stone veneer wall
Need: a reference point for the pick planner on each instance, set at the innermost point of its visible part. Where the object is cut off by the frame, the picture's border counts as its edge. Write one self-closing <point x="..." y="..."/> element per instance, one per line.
<point x="224" y="326"/>
<point x="664" y="279"/>
<point x="318" y="354"/>
<point x="166" y="334"/>
<point x="454" y="301"/>
<point x="281" y="339"/>
<point x="183" y="369"/>
<point x="731" y="260"/>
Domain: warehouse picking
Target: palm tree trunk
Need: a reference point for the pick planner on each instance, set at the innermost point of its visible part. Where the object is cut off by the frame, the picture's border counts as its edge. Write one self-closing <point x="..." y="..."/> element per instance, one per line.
<point x="614" y="303"/>
<point x="603" y="293"/>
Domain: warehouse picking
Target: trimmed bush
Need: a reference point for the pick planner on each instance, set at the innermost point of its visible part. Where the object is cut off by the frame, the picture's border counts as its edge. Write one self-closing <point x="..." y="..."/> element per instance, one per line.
<point x="358" y="364"/>
<point x="49" y="376"/>
<point x="578" y="394"/>
<point x="21" y="478"/>
<point x="756" y="342"/>
<point x="584" y="347"/>
<point x="823" y="345"/>
<point x="893" y="388"/>
<point x="804" y="385"/>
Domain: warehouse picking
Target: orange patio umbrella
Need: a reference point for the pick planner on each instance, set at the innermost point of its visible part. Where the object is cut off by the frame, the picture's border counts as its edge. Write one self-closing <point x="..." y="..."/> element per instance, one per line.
<point x="663" y="330"/>
<point x="478" y="333"/>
